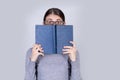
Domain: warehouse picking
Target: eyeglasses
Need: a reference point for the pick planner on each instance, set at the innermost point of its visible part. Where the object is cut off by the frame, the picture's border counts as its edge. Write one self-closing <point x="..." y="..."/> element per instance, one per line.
<point x="54" y="23"/>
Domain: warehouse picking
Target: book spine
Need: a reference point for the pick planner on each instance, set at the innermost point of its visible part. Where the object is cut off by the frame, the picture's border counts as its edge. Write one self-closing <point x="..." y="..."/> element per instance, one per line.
<point x="55" y="39"/>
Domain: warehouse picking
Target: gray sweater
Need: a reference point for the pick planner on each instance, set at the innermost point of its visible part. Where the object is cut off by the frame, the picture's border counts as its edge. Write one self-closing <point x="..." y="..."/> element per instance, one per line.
<point x="52" y="67"/>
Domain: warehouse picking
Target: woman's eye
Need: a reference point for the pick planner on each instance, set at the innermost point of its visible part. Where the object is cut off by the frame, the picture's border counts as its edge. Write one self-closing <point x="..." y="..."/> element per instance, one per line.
<point x="51" y="22"/>
<point x="57" y="22"/>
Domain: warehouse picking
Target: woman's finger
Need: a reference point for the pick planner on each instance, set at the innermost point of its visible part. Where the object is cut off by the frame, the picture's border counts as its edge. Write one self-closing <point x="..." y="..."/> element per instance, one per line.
<point x="66" y="51"/>
<point x="40" y="51"/>
<point x="41" y="54"/>
<point x="68" y="47"/>
<point x="73" y="43"/>
<point x="37" y="45"/>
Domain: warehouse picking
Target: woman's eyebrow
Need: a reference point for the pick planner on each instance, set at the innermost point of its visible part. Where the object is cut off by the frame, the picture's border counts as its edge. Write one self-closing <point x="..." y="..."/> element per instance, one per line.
<point x="49" y="19"/>
<point x="58" y="19"/>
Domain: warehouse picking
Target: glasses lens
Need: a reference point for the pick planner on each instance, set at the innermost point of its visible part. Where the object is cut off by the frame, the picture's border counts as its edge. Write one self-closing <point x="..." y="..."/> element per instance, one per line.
<point x="51" y="22"/>
<point x="61" y="22"/>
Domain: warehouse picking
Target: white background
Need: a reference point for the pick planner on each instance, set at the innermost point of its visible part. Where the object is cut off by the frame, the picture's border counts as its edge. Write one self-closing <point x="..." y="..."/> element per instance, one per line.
<point x="96" y="32"/>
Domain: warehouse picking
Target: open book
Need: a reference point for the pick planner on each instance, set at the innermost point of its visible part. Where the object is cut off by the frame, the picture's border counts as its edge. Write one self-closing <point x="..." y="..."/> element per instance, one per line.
<point x="53" y="37"/>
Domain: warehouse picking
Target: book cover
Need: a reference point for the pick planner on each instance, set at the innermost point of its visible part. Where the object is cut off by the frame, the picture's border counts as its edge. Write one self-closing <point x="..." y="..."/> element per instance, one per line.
<point x="53" y="37"/>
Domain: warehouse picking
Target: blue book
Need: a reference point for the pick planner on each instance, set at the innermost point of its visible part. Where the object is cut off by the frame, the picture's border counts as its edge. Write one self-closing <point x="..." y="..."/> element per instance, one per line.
<point x="53" y="37"/>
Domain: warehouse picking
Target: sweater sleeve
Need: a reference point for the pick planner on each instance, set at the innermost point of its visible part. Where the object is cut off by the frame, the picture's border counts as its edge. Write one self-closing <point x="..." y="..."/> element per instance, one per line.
<point x="29" y="67"/>
<point x="75" y="68"/>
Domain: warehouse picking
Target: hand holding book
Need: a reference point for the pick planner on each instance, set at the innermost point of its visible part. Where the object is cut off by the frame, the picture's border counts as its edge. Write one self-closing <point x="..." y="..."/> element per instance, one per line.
<point x="36" y="51"/>
<point x="71" y="51"/>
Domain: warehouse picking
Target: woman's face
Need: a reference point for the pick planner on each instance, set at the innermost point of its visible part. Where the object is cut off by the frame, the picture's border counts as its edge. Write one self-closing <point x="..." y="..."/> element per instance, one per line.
<point x="53" y="19"/>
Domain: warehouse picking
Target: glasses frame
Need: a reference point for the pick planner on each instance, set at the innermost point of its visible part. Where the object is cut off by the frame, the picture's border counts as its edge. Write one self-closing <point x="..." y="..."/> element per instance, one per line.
<point x="54" y="22"/>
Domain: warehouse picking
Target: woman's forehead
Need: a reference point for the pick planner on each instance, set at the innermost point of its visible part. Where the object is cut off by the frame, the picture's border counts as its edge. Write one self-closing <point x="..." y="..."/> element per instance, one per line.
<point x="53" y="17"/>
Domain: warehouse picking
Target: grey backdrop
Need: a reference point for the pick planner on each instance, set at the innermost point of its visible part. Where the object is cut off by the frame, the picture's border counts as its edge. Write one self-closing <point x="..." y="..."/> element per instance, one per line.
<point x="96" y="32"/>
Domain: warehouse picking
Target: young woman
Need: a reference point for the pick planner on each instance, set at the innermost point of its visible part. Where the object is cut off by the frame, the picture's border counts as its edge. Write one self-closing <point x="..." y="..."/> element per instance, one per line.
<point x="40" y="66"/>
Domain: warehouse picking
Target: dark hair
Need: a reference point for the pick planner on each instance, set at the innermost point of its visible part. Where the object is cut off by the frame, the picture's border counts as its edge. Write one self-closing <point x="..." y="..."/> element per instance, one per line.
<point x="55" y="11"/>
